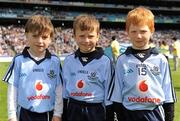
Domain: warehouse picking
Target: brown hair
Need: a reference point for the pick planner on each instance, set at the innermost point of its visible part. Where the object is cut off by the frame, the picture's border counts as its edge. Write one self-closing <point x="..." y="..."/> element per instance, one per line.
<point x="140" y="16"/>
<point x="86" y="22"/>
<point x="40" y="24"/>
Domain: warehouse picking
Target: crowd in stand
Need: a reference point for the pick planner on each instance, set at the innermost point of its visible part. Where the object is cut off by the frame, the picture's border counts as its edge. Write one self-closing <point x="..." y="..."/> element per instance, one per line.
<point x="70" y="15"/>
<point x="12" y="39"/>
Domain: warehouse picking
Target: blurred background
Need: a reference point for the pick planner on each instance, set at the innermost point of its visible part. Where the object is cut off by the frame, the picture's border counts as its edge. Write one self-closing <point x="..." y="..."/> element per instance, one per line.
<point x="111" y="14"/>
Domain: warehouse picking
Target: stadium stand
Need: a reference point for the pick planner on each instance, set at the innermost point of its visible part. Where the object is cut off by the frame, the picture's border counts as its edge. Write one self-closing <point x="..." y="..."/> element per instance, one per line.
<point x="14" y="14"/>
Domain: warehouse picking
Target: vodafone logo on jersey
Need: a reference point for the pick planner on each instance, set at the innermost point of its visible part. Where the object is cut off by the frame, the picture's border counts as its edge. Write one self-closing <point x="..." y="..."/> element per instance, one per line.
<point x="143" y="86"/>
<point x="80" y="84"/>
<point x="39" y="85"/>
<point x="39" y="89"/>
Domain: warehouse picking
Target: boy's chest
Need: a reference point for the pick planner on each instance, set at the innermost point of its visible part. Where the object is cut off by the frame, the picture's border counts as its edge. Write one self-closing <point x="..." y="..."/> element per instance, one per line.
<point x="135" y="72"/>
<point x="45" y="73"/>
<point x="93" y="72"/>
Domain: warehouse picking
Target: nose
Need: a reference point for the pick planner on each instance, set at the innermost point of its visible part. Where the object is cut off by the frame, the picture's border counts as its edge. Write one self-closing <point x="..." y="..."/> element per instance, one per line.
<point x="86" y="39"/>
<point x="39" y="39"/>
<point x="139" y="35"/>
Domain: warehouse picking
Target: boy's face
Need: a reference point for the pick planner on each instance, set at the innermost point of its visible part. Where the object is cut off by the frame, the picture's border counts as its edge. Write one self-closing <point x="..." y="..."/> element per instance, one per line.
<point x="139" y="36"/>
<point x="86" y="40"/>
<point x="38" y="43"/>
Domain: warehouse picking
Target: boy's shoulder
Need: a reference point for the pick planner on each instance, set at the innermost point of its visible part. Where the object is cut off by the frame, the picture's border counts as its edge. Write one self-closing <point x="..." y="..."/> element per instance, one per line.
<point x="107" y="57"/>
<point x="70" y="56"/>
<point x="18" y="56"/>
<point x="101" y="54"/>
<point x="53" y="56"/>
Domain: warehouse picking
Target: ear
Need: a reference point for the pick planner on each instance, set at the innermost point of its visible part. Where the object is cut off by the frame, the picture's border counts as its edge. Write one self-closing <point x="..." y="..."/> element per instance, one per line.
<point x="98" y="35"/>
<point x="26" y="34"/>
<point x="126" y="32"/>
<point x="152" y="34"/>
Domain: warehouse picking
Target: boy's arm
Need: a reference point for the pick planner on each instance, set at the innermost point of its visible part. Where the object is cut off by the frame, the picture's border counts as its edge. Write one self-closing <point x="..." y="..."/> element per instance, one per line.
<point x="13" y="119"/>
<point x="108" y="84"/>
<point x="169" y="111"/>
<point x="11" y="78"/>
<point x="65" y="96"/>
<point x="58" y="108"/>
<point x="170" y="97"/>
<point x="55" y="118"/>
<point x="109" y="76"/>
<point x="12" y="103"/>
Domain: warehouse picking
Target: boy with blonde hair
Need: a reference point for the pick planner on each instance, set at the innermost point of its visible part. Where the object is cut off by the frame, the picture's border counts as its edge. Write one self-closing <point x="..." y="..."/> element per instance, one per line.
<point x="34" y="83"/>
<point x="143" y="89"/>
<point x="87" y="74"/>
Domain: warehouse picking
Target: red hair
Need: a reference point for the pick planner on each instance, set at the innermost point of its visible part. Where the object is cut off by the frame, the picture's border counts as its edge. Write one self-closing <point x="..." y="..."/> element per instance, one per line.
<point x="140" y="16"/>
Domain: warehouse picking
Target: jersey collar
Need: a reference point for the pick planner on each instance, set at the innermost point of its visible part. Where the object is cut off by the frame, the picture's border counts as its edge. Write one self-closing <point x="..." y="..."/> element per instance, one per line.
<point x="153" y="50"/>
<point x="85" y="58"/>
<point x="25" y="53"/>
<point x="141" y="55"/>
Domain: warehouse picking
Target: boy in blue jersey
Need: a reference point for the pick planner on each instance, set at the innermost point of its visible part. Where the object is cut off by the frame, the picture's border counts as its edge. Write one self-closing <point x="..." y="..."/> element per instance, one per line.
<point x="143" y="89"/>
<point x="87" y="74"/>
<point x="34" y="83"/>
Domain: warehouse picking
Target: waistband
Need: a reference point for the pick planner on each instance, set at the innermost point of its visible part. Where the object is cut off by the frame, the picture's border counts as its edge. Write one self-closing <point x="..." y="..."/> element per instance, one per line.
<point x="30" y="112"/>
<point x="83" y="103"/>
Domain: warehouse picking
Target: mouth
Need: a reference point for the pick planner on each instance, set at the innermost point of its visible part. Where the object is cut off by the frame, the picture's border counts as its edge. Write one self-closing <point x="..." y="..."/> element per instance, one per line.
<point x="85" y="45"/>
<point x="139" y="41"/>
<point x="39" y="46"/>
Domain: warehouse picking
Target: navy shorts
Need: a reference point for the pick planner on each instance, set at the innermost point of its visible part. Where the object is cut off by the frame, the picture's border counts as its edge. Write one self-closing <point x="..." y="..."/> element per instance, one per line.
<point x="124" y="114"/>
<point x="26" y="115"/>
<point x="82" y="111"/>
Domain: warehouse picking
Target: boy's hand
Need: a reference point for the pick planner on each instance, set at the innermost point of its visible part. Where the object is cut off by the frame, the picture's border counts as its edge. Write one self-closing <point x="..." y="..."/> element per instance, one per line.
<point x="56" y="118"/>
<point x="12" y="119"/>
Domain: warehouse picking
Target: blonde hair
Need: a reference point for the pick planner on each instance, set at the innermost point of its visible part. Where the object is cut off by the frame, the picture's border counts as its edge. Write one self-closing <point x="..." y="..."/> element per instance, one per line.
<point x="140" y="16"/>
<point x="86" y="22"/>
<point x="40" y="24"/>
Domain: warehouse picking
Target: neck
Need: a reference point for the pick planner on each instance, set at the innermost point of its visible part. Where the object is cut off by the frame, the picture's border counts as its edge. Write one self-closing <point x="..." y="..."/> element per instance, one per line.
<point x="36" y="56"/>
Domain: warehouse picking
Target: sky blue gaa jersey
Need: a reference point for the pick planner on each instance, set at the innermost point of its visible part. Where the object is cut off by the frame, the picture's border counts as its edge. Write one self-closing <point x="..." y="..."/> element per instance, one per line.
<point x="35" y="80"/>
<point x="142" y="84"/>
<point x="87" y="82"/>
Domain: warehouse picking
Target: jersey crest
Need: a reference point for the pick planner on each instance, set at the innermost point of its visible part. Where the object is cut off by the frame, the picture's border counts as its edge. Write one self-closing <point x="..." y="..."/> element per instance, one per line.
<point x="93" y="76"/>
<point x="51" y="74"/>
<point x="155" y="70"/>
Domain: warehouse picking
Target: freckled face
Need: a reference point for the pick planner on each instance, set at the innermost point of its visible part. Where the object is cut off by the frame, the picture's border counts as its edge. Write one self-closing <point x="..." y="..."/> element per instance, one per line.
<point x="139" y="36"/>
